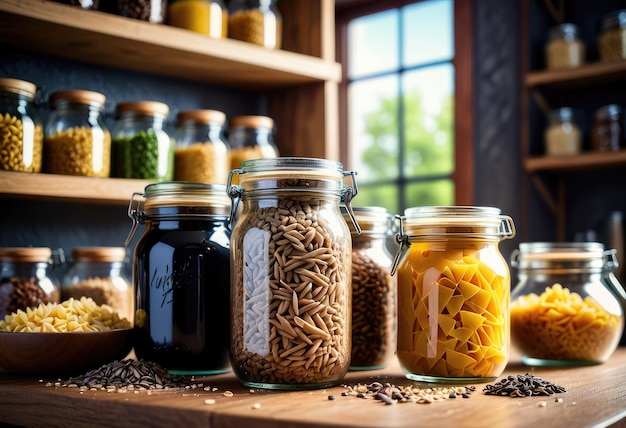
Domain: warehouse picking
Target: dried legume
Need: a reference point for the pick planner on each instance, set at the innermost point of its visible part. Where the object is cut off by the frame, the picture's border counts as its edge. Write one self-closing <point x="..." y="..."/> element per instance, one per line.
<point x="523" y="386"/>
<point x="79" y="151"/>
<point x="21" y="144"/>
<point x="390" y="394"/>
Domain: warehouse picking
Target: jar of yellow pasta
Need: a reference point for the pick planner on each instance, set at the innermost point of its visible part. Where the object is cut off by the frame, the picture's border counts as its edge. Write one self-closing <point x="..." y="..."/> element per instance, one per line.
<point x="565" y="310"/>
<point x="453" y="293"/>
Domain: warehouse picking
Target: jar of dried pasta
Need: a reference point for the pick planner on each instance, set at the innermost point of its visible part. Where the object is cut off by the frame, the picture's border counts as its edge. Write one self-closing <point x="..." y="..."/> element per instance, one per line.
<point x="202" y="152"/>
<point x="77" y="140"/>
<point x="291" y="273"/>
<point x="612" y="41"/>
<point x="99" y="273"/>
<point x="373" y="290"/>
<point x="453" y="293"/>
<point x="251" y="137"/>
<point x="21" y="128"/>
<point x="565" y="309"/>
<point x="142" y="147"/>
<point x="564" y="49"/>
<point x="255" y="21"/>
<point x="181" y="275"/>
<point x="26" y="279"/>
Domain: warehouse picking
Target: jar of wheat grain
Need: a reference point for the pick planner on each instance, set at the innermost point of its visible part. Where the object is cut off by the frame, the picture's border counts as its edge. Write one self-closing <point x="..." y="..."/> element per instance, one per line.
<point x="291" y="273"/>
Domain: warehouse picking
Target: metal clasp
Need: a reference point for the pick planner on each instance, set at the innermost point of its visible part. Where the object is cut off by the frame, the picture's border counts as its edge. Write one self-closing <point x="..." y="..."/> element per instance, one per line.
<point x="135" y="214"/>
<point x="507" y="227"/>
<point x="403" y="245"/>
<point x="234" y="193"/>
<point x="349" y="193"/>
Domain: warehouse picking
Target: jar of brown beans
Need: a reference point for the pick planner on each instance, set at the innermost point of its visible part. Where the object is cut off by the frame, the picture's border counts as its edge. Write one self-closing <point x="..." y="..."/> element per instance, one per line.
<point x="612" y="41"/>
<point x="77" y="140"/>
<point x="255" y="21"/>
<point x="202" y="152"/>
<point x="154" y="11"/>
<point x="291" y="276"/>
<point x="373" y="290"/>
<point x="21" y="128"/>
<point x="26" y="279"/>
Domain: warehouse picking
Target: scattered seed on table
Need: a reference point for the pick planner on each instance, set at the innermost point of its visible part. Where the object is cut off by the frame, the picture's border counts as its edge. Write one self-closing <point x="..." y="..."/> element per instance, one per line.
<point x="558" y="400"/>
<point x="331" y="397"/>
<point x="256" y="406"/>
<point x="228" y="394"/>
<point x="389" y="394"/>
<point x="523" y="386"/>
<point x="209" y="401"/>
<point x="542" y="404"/>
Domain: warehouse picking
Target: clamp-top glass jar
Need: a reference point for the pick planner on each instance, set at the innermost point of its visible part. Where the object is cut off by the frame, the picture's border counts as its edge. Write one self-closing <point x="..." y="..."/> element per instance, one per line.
<point x="181" y="274"/>
<point x="202" y="154"/>
<point x="25" y="279"/>
<point x="373" y="290"/>
<point x="142" y="147"/>
<point x="77" y="141"/>
<point x="290" y="280"/>
<point x="98" y="273"/>
<point x="255" y="21"/>
<point x="564" y="309"/>
<point x="21" y="128"/>
<point x="453" y="294"/>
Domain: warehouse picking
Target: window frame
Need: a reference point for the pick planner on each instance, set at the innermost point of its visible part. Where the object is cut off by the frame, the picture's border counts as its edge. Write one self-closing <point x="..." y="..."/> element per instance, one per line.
<point x="463" y="174"/>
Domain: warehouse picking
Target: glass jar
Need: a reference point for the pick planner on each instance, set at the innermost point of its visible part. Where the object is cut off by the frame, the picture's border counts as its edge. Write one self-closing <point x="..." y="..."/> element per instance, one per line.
<point x="209" y="17"/>
<point x="251" y="137"/>
<point x="153" y="11"/>
<point x="142" y="147"/>
<point x="373" y="290"/>
<point x="290" y="283"/>
<point x="77" y="141"/>
<point x="21" y="128"/>
<point x="26" y="279"/>
<point x="607" y="131"/>
<point x="453" y="294"/>
<point x="564" y="49"/>
<point x="562" y="136"/>
<point x="563" y="310"/>
<point x="202" y="153"/>
<point x="98" y="273"/>
<point x="612" y="42"/>
<point x="255" y="21"/>
<point x="181" y="275"/>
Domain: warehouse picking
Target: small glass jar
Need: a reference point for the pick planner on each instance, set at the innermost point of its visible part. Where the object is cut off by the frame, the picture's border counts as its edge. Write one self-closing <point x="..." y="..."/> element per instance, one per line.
<point x="154" y="11"/>
<point x="181" y="274"/>
<point x="255" y="21"/>
<point x="453" y="294"/>
<point x="26" y="279"/>
<point x="607" y="132"/>
<point x="251" y="137"/>
<point x="77" y="140"/>
<point x="209" y="17"/>
<point x="612" y="42"/>
<point x="564" y="310"/>
<point x="142" y="146"/>
<point x="562" y="136"/>
<point x="373" y="290"/>
<point x="564" y="49"/>
<point x="202" y="153"/>
<point x="98" y="273"/>
<point x="291" y="274"/>
<point x="21" y="128"/>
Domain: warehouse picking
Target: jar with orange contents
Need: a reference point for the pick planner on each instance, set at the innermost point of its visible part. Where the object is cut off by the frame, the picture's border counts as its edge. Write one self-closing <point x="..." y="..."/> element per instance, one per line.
<point x="565" y="310"/>
<point x="453" y="293"/>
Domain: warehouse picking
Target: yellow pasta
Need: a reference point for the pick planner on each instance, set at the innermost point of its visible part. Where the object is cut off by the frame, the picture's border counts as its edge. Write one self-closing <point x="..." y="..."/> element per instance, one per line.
<point x="453" y="314"/>
<point x="561" y="325"/>
<point x="68" y="316"/>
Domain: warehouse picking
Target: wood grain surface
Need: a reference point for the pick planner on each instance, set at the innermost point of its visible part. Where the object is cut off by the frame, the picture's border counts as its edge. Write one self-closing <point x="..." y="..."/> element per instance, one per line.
<point x="595" y="397"/>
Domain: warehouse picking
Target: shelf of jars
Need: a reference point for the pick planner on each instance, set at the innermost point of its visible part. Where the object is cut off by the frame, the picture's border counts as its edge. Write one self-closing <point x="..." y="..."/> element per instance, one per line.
<point x="598" y="73"/>
<point x="100" y="38"/>
<point x="584" y="161"/>
<point x="115" y="191"/>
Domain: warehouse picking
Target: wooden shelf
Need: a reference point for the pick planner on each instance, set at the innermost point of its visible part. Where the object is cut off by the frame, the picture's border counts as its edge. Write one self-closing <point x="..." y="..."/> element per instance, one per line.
<point x="587" y="75"/>
<point x="586" y="161"/>
<point x="115" y="191"/>
<point x="70" y="32"/>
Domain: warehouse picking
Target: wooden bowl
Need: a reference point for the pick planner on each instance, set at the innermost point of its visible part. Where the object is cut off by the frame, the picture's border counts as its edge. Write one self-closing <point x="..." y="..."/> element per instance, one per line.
<point x="62" y="352"/>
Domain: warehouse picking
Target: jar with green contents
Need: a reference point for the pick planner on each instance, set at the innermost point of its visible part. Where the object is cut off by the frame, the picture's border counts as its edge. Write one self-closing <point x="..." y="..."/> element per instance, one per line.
<point x="202" y="152"/>
<point x="142" y="147"/>
<point x="77" y="140"/>
<point x="209" y="17"/>
<point x="255" y="21"/>
<point x="21" y="129"/>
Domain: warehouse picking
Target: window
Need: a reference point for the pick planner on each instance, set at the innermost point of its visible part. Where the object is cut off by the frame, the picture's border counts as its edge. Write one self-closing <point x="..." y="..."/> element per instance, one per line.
<point x="405" y="103"/>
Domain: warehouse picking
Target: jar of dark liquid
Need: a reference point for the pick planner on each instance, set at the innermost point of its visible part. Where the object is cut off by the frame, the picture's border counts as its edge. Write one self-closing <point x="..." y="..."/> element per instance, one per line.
<point x="181" y="276"/>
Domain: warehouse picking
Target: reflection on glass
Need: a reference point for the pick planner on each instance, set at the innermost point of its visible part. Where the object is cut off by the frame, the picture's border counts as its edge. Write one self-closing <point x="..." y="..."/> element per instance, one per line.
<point x="438" y="192"/>
<point x="373" y="44"/>
<point x="428" y="32"/>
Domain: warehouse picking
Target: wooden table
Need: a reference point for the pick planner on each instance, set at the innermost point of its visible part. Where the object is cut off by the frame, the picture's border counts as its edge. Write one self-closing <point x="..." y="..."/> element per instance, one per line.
<point x="595" y="397"/>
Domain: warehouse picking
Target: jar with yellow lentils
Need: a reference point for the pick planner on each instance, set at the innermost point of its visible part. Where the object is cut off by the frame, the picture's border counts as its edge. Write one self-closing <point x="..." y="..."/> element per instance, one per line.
<point x="77" y="140"/>
<point x="251" y="137"/>
<point x="21" y="128"/>
<point x="255" y="21"/>
<point x="208" y="17"/>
